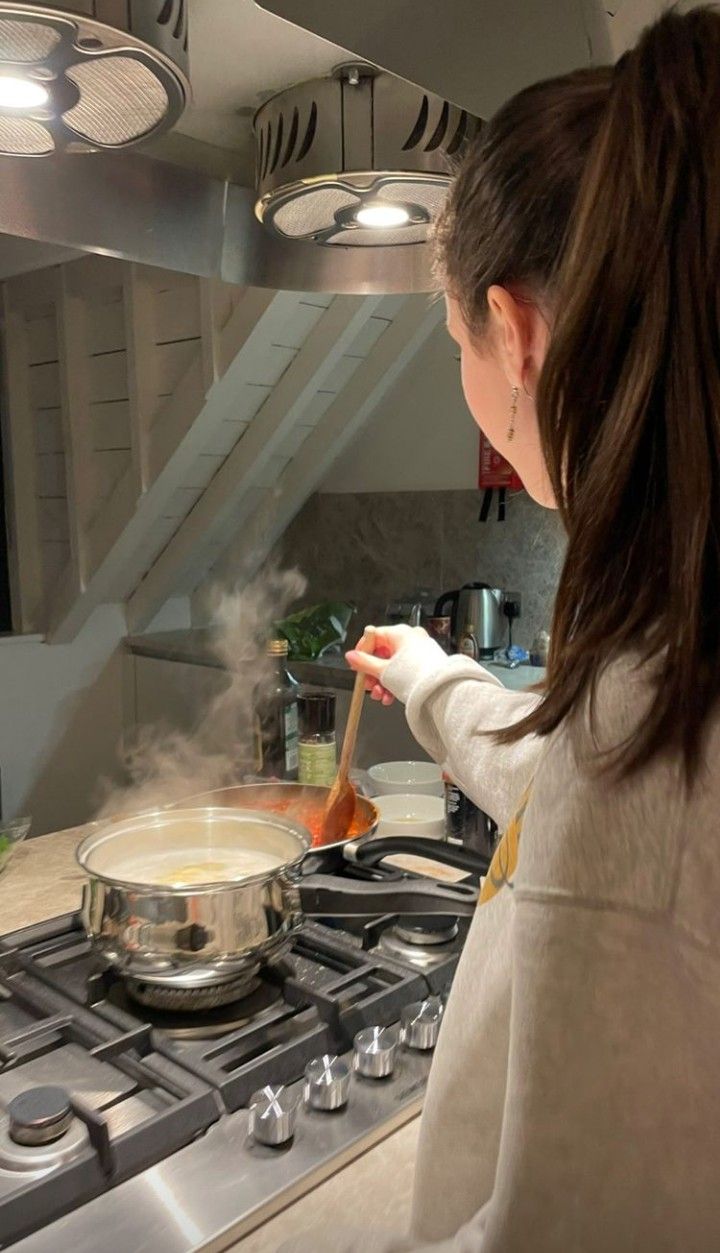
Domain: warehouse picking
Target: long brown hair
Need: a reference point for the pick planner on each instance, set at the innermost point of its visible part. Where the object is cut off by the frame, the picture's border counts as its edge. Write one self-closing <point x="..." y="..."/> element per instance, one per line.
<point x="602" y="190"/>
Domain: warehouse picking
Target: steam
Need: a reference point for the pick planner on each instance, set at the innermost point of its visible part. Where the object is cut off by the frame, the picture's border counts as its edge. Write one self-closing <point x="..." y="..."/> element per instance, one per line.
<point x="165" y="766"/>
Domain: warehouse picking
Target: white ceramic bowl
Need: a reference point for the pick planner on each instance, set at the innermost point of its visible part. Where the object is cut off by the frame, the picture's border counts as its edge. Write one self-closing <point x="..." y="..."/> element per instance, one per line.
<point x="411" y="815"/>
<point x="417" y="778"/>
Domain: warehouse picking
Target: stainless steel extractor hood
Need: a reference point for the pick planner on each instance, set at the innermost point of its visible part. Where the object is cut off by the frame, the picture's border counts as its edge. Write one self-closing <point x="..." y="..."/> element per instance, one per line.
<point x="476" y="53"/>
<point x="75" y="77"/>
<point x="358" y="159"/>
<point x="161" y="206"/>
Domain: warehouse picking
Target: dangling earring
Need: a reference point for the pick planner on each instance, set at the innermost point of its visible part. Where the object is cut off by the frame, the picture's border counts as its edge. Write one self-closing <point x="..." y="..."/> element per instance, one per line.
<point x="513" y="413"/>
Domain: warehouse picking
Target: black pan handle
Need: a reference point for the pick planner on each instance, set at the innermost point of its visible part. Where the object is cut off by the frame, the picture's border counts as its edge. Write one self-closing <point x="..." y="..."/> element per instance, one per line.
<point x="326" y="896"/>
<point x="370" y="852"/>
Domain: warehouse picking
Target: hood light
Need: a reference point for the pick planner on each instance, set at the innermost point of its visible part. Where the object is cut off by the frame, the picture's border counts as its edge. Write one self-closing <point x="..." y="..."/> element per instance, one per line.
<point x="382" y="215"/>
<point x="20" y="93"/>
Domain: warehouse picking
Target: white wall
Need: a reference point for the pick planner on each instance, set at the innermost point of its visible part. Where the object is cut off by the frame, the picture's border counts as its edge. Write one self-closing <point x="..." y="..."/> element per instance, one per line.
<point x="63" y="713"/>
<point x="61" y="721"/>
<point x="421" y="438"/>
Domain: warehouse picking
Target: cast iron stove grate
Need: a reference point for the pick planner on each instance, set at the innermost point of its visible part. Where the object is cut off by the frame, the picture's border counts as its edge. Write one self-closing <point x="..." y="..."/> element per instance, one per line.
<point x="325" y="990"/>
<point x="137" y="1105"/>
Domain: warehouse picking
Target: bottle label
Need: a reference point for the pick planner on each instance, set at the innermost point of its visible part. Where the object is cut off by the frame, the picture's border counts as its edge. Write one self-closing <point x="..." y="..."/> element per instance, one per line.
<point x="466" y="822"/>
<point x="291" y="737"/>
<point x="461" y="814"/>
<point x="318" y="763"/>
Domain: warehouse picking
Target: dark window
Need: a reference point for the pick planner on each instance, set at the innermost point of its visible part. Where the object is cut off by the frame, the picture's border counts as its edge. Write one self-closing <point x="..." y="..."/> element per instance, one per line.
<point x="5" y="606"/>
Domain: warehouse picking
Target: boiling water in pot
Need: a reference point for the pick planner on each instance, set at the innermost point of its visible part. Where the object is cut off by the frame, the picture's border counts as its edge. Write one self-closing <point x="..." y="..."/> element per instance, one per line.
<point x="192" y="849"/>
<point x="190" y="870"/>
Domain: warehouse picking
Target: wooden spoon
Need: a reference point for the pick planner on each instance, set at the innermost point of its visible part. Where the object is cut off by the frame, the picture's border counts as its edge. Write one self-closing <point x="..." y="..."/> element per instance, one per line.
<point x="340" y="807"/>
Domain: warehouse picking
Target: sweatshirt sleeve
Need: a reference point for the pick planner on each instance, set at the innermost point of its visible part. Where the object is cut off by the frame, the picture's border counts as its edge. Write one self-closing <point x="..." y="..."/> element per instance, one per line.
<point x="451" y="704"/>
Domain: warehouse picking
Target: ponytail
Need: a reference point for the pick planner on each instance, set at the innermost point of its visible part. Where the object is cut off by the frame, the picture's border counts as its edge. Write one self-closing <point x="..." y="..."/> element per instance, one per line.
<point x="629" y="397"/>
<point x="601" y="192"/>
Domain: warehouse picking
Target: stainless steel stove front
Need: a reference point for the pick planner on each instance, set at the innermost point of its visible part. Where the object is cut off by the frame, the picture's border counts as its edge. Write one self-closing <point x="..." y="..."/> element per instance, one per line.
<point x="208" y="1189"/>
<point x="215" y="1191"/>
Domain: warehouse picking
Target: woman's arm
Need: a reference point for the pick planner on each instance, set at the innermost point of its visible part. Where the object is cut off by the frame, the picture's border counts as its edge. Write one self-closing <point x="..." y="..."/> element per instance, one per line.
<point x="451" y="702"/>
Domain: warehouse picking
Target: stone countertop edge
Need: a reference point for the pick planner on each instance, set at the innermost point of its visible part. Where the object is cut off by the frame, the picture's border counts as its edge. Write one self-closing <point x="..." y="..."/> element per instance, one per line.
<point x="43" y="880"/>
<point x="193" y="648"/>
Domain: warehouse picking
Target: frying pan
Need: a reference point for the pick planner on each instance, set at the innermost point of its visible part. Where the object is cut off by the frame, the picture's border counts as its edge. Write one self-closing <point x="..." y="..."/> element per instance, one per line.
<point x="300" y="802"/>
<point x="305" y="804"/>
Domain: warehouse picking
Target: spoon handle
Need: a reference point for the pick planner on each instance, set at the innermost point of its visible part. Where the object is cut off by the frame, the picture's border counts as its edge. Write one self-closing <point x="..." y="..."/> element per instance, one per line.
<point x="356" y="704"/>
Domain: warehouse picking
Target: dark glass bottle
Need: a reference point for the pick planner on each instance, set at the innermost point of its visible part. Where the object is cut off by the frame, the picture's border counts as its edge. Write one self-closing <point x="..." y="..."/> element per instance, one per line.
<point x="277" y="719"/>
<point x="466" y="823"/>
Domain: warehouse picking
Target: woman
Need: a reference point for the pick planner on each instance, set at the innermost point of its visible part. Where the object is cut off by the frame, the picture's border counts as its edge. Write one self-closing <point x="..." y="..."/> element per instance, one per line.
<point x="574" y="1103"/>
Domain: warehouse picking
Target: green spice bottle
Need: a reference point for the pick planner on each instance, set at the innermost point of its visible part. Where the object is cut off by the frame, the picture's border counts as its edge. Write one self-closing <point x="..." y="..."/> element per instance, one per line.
<point x="317" y="747"/>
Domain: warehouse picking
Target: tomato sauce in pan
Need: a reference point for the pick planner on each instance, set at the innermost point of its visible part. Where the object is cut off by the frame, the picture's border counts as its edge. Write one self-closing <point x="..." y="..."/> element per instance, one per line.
<point x="309" y="815"/>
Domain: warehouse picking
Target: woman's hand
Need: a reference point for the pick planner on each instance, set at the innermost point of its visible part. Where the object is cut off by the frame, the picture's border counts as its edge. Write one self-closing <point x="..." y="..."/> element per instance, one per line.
<point x="375" y="650"/>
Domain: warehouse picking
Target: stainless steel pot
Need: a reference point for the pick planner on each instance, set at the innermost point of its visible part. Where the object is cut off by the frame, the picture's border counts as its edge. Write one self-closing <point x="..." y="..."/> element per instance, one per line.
<point x="207" y="934"/>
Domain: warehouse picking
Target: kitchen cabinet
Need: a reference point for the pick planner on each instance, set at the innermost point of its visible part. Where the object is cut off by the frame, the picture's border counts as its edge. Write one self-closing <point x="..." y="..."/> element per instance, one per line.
<point x="174" y="677"/>
<point x="175" y="694"/>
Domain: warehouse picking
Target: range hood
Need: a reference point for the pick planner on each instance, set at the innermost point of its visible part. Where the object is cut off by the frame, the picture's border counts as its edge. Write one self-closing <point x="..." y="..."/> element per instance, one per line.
<point x="73" y="81"/>
<point x="427" y="68"/>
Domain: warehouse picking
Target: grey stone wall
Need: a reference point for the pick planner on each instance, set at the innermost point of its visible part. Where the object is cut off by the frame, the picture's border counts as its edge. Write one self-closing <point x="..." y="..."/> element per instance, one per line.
<point x="370" y="548"/>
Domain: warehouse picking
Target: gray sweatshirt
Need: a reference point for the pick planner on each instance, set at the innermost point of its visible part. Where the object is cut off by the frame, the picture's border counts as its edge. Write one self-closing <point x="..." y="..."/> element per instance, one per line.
<point x="574" y="1100"/>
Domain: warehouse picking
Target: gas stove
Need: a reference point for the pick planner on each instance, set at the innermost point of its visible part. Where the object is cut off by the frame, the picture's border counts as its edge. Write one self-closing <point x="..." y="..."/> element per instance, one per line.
<point x="179" y="1127"/>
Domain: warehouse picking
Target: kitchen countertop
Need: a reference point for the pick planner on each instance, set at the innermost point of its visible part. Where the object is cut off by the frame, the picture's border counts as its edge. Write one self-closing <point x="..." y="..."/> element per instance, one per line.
<point x="194" y="647"/>
<point x="43" y="880"/>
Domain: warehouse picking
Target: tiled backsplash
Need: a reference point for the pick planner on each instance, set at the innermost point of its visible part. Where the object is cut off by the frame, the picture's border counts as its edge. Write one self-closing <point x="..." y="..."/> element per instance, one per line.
<point x="371" y="548"/>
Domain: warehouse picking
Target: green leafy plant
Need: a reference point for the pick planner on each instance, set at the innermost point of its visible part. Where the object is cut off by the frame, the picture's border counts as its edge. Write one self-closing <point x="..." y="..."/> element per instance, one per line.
<point x="11" y="833"/>
<point x="312" y="632"/>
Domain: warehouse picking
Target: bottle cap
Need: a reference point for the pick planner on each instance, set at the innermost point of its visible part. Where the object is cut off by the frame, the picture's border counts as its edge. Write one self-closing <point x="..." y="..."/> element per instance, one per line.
<point x="277" y="648"/>
<point x="316" y="710"/>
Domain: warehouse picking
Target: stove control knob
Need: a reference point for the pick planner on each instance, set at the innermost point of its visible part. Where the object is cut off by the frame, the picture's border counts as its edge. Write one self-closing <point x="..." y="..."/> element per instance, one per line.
<point x="327" y="1083"/>
<point x="375" y="1050"/>
<point x="273" y="1115"/>
<point x="420" y="1023"/>
<point x="39" y="1116"/>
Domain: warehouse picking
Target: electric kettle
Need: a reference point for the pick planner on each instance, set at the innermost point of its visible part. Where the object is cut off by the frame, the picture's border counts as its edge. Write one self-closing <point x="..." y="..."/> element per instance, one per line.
<point x="475" y="609"/>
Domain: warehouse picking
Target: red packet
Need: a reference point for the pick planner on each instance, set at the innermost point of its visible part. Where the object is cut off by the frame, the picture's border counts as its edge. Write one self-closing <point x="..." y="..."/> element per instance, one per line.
<point x="494" y="470"/>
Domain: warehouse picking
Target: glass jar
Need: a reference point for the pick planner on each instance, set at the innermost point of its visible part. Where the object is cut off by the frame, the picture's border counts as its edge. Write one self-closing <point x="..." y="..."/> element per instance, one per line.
<point x="317" y="748"/>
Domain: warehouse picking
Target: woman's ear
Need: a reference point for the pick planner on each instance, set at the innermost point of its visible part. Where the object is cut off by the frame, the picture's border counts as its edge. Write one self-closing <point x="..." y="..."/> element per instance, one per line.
<point x="520" y="334"/>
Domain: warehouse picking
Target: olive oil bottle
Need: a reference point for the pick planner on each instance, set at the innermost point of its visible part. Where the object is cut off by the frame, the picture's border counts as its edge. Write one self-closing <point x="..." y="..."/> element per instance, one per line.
<point x="276" y="720"/>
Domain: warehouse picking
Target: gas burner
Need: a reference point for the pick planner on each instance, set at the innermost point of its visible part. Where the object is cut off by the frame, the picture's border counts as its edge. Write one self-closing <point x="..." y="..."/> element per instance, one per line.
<point x="194" y="1022"/>
<point x="39" y="1131"/>
<point x="40" y="1115"/>
<point x="426" y="937"/>
<point x="187" y="999"/>
<point x="418" y="946"/>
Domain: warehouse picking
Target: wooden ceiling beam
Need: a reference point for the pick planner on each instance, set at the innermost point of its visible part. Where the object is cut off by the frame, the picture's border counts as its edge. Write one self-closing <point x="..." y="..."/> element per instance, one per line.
<point x="339" y="426"/>
<point x="248" y="465"/>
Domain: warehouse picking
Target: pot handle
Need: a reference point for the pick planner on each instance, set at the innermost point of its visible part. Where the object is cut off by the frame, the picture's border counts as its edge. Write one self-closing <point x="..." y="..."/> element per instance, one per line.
<point x="369" y="852"/>
<point x="326" y="896"/>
